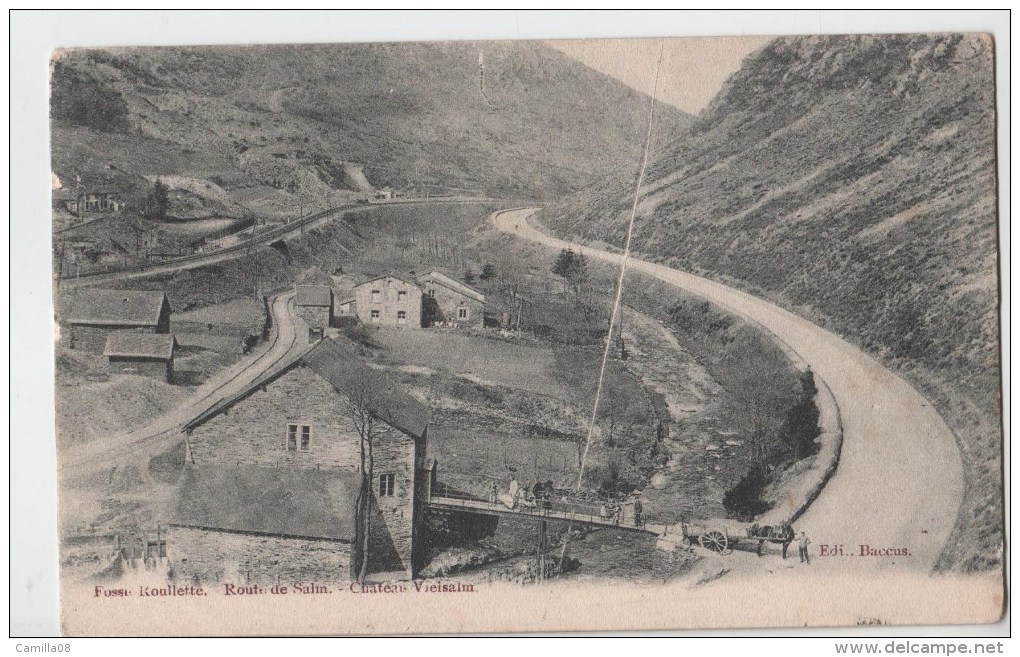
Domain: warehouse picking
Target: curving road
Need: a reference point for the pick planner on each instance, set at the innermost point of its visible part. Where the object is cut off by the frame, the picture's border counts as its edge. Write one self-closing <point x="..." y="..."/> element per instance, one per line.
<point x="899" y="483"/>
<point x="140" y="445"/>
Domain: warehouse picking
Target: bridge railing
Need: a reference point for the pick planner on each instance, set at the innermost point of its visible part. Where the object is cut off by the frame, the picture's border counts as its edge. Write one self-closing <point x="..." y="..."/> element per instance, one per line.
<point x="557" y="506"/>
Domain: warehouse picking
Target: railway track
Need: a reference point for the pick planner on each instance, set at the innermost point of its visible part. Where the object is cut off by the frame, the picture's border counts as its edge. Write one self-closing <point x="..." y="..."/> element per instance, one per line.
<point x="242" y="248"/>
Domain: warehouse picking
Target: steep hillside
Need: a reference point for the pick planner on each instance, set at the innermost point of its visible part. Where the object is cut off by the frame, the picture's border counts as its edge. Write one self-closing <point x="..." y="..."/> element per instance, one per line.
<point x="505" y="119"/>
<point x="851" y="179"/>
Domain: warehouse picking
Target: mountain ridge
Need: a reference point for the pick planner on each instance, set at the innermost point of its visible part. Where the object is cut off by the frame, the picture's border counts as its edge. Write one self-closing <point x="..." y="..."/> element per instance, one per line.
<point x="852" y="179"/>
<point x="531" y="123"/>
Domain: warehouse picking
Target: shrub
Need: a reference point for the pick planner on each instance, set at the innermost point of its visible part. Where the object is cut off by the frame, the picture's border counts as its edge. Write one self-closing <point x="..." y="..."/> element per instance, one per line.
<point x="800" y="428"/>
<point x="744" y="500"/>
<point x="363" y="335"/>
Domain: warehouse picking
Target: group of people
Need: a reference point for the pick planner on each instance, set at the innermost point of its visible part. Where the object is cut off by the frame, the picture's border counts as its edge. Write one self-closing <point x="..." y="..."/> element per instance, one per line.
<point x="539" y="496"/>
<point x="615" y="510"/>
<point x="517" y="496"/>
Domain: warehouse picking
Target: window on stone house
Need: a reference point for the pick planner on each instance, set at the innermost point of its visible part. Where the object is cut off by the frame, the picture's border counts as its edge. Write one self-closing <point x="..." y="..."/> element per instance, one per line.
<point x="299" y="437"/>
<point x="375" y="316"/>
<point x="376" y="296"/>
<point x="401" y="297"/>
<point x="387" y="485"/>
<point x="401" y="317"/>
<point x="462" y="313"/>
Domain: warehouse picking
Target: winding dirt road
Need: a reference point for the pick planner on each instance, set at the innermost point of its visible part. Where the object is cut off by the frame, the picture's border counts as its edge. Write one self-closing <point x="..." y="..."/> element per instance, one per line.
<point x="899" y="483"/>
<point x="140" y="445"/>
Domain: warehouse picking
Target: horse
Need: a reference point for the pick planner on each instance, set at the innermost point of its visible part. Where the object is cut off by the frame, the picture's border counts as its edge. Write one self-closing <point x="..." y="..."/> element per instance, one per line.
<point x="782" y="533"/>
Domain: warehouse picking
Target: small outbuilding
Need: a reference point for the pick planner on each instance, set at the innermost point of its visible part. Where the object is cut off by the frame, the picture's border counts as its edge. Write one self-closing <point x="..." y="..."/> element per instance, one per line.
<point x="314" y="306"/>
<point x="147" y="354"/>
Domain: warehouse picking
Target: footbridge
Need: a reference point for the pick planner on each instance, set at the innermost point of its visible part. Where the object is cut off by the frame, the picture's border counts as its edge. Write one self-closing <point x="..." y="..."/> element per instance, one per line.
<point x="560" y="508"/>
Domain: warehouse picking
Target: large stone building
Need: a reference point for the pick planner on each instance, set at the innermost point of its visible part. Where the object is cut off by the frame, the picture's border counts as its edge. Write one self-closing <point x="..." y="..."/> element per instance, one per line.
<point x="457" y="304"/>
<point x="386" y="301"/>
<point x="147" y="354"/>
<point x="94" y="314"/>
<point x="273" y="475"/>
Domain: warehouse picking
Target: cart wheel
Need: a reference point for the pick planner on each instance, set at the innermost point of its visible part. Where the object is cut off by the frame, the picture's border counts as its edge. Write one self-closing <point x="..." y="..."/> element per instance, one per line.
<point x="714" y="540"/>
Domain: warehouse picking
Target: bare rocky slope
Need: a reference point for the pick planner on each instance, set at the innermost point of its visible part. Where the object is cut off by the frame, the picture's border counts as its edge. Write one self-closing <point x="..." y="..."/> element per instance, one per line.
<point x="507" y="119"/>
<point x="852" y="180"/>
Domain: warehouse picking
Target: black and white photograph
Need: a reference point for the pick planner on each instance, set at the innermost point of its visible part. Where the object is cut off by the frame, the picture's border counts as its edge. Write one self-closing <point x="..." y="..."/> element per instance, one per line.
<point x="542" y="335"/>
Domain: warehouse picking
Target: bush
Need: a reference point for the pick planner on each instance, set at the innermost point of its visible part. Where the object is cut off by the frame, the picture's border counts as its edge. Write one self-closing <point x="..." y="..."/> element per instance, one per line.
<point x="363" y="335"/>
<point x="430" y="311"/>
<point x="800" y="428"/>
<point x="610" y="478"/>
<point x="744" y="500"/>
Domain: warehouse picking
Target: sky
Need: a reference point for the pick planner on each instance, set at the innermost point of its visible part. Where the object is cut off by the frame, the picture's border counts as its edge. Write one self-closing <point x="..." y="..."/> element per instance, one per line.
<point x="693" y="69"/>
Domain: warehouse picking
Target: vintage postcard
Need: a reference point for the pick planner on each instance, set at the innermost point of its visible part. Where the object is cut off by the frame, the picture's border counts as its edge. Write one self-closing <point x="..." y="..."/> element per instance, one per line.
<point x="390" y="338"/>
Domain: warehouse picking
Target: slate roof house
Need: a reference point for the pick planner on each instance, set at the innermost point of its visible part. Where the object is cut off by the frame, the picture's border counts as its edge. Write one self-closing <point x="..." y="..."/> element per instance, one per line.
<point x="315" y="306"/>
<point x="274" y="473"/>
<point x="458" y="304"/>
<point x="93" y="314"/>
<point x="148" y="354"/>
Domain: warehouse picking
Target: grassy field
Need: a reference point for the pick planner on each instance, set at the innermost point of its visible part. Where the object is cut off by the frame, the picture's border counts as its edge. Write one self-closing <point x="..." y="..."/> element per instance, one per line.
<point x="489" y="361"/>
<point x="501" y="407"/>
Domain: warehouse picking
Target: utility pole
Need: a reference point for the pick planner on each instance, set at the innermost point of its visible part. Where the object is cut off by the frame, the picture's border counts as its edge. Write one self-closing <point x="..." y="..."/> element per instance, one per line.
<point x="60" y="266"/>
<point x="542" y="533"/>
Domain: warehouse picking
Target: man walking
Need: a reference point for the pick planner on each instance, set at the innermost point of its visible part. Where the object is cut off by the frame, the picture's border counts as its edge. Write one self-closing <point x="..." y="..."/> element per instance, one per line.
<point x="802" y="548"/>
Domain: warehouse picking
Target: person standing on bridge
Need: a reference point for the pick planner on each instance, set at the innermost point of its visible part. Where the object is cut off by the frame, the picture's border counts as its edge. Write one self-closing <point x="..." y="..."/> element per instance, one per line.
<point x="802" y="548"/>
<point x="638" y="508"/>
<point x="515" y="492"/>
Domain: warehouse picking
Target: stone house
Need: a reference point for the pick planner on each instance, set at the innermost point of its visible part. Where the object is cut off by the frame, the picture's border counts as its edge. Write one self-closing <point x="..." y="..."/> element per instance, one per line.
<point x="148" y="354"/>
<point x="315" y="306"/>
<point x="274" y="472"/>
<point x="388" y="301"/>
<point x="457" y="303"/>
<point x="93" y="314"/>
<point x="346" y="311"/>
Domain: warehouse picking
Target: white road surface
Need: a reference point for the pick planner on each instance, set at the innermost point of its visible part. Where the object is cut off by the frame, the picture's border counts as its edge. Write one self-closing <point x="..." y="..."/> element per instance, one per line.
<point x="140" y="445"/>
<point x="899" y="483"/>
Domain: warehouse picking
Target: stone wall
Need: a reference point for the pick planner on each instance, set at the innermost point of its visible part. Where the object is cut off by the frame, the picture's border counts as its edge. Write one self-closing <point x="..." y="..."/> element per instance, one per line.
<point x="451" y="302"/>
<point x="156" y="369"/>
<point x="254" y="432"/>
<point x="315" y="316"/>
<point x="389" y="303"/>
<point x="238" y="558"/>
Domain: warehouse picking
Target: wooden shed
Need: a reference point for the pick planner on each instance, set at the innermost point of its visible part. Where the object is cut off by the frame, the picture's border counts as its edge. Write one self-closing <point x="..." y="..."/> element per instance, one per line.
<point x="147" y="354"/>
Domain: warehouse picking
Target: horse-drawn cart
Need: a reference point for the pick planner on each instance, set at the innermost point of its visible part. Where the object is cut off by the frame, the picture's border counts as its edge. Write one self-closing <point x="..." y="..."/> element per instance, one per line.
<point x="721" y="536"/>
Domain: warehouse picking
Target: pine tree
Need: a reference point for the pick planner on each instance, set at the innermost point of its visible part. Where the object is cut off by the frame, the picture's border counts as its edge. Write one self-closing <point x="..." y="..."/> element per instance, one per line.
<point x="157" y="203"/>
